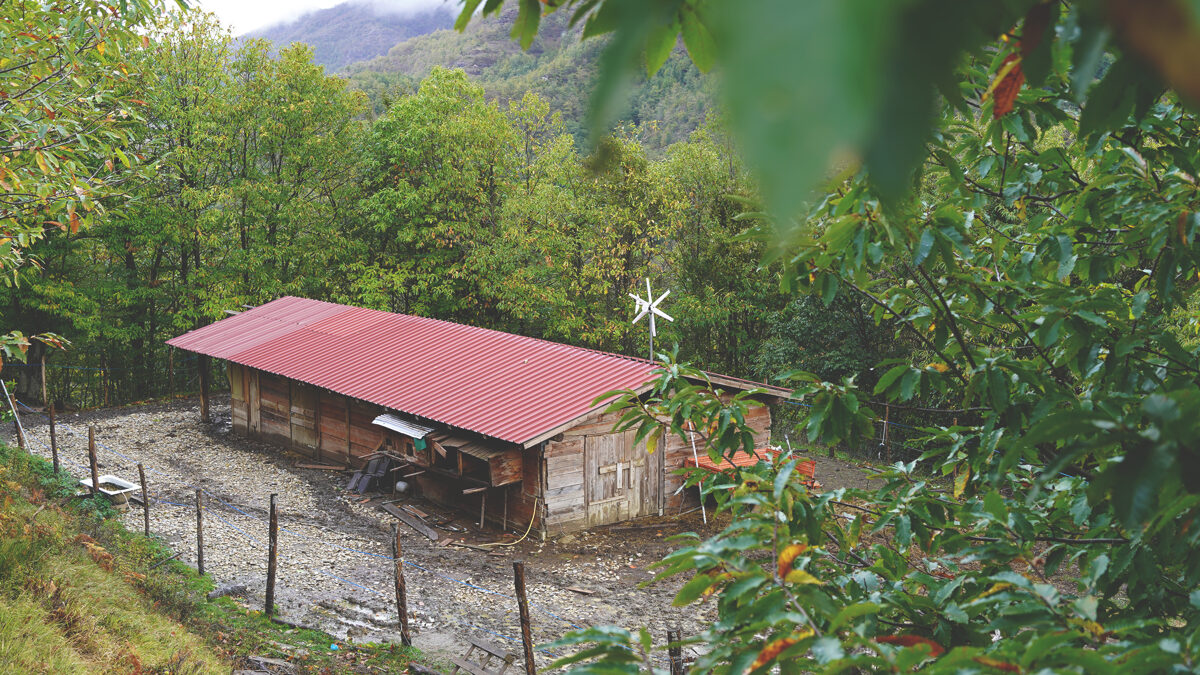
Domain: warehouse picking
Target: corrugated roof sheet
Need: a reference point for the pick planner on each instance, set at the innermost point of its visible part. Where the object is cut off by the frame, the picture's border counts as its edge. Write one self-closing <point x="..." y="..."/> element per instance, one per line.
<point x="410" y="429"/>
<point x="506" y="386"/>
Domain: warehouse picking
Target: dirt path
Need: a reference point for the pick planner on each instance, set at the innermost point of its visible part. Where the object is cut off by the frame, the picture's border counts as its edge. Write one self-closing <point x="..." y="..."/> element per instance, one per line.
<point x="334" y="567"/>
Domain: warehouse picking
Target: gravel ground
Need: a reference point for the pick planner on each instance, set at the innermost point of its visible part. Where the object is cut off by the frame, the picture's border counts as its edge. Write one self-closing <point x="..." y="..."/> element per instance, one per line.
<point x="334" y="570"/>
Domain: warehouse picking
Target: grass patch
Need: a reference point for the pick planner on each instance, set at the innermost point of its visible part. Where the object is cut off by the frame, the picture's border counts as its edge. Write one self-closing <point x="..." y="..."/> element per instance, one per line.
<point x="79" y="594"/>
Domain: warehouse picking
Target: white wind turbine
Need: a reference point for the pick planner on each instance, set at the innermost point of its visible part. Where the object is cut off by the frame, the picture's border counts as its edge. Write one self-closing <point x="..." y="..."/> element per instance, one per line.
<point x="648" y="306"/>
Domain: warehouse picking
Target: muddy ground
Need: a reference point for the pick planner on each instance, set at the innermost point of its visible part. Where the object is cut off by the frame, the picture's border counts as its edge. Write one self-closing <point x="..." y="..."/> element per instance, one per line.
<point x="334" y="568"/>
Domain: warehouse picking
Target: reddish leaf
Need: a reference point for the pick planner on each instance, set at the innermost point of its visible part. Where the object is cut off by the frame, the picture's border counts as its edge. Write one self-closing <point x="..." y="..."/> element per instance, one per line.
<point x="935" y="650"/>
<point x="1008" y="83"/>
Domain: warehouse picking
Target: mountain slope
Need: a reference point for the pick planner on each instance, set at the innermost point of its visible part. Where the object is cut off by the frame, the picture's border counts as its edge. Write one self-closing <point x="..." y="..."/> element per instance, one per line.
<point x="558" y="67"/>
<point x="355" y="31"/>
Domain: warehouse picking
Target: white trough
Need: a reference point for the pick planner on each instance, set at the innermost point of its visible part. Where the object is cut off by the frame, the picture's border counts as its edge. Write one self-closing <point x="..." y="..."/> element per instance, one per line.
<point x="117" y="489"/>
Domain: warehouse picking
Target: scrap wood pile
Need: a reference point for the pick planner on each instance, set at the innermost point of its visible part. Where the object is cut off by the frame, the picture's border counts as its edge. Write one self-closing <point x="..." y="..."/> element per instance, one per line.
<point x="806" y="470"/>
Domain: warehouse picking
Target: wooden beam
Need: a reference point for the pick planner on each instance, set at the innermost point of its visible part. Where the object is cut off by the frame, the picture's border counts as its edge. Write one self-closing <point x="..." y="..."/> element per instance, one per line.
<point x="412" y="521"/>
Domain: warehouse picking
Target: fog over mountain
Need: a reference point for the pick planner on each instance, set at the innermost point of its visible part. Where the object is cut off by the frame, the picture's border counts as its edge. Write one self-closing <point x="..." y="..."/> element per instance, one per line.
<point x="360" y="29"/>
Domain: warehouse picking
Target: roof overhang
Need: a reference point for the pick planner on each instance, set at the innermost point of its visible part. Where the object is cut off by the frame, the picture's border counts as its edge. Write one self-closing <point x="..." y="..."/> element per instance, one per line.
<point x="731" y="382"/>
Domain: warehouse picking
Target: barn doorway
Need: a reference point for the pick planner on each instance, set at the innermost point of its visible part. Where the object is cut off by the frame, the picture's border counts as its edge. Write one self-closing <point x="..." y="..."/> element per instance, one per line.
<point x="621" y="480"/>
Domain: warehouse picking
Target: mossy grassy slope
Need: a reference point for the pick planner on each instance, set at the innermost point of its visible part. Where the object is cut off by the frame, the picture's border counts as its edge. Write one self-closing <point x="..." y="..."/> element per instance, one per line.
<point x="80" y="594"/>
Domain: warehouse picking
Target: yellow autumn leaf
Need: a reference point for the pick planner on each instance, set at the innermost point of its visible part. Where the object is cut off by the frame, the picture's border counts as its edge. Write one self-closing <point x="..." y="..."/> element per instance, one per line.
<point x="41" y="162"/>
<point x="100" y="47"/>
<point x="801" y="577"/>
<point x="996" y="589"/>
<point x="960" y="480"/>
<point x="787" y="556"/>
<point x="776" y="647"/>
<point x="1092" y="627"/>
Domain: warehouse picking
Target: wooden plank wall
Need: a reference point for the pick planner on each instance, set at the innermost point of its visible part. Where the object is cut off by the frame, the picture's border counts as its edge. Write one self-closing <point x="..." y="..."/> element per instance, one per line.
<point x="238" y="408"/>
<point x="275" y="408"/>
<point x="304" y="418"/>
<point x="566" y="503"/>
<point x="365" y="437"/>
<point x="295" y="415"/>
<point x="567" y="492"/>
<point x="332" y="420"/>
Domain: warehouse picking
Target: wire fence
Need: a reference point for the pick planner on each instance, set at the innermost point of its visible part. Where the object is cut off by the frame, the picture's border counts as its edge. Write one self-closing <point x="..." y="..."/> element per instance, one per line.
<point x="82" y="381"/>
<point x="258" y="544"/>
<point x="895" y="435"/>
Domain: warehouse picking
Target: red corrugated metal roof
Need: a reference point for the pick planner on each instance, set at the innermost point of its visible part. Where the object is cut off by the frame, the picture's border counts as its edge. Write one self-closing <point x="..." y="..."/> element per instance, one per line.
<point x="506" y="386"/>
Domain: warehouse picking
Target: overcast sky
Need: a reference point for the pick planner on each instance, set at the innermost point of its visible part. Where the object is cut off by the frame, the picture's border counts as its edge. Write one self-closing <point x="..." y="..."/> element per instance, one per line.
<point x="245" y="15"/>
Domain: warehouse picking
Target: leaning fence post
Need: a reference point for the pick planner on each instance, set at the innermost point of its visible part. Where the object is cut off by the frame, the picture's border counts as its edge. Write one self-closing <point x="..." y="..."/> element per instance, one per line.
<point x="92" y="458"/>
<point x="401" y="591"/>
<point x="523" y="606"/>
<point x="272" y="553"/>
<point x="199" y="532"/>
<point x="53" y="440"/>
<point x="145" y="498"/>
<point x="674" y="651"/>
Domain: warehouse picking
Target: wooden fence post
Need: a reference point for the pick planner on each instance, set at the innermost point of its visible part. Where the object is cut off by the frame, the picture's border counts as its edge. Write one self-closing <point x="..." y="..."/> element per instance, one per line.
<point x="272" y="555"/>
<point x="674" y="651"/>
<point x="199" y="532"/>
<point x="145" y="498"/>
<point x="92" y="458"/>
<point x="401" y="590"/>
<point x="53" y="440"/>
<point x="523" y="606"/>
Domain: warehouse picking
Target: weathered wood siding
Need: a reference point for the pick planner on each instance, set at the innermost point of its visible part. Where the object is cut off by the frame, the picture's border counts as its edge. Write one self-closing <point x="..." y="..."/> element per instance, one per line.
<point x="238" y="393"/>
<point x="304" y="418"/>
<point x="365" y="437"/>
<point x="506" y="467"/>
<point x="587" y="476"/>
<point x="333" y="423"/>
<point x="594" y="476"/>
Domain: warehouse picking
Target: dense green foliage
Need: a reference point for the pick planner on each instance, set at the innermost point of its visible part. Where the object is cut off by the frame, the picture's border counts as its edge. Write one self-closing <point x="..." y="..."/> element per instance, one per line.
<point x="65" y="116"/>
<point x="1040" y="270"/>
<point x="268" y="179"/>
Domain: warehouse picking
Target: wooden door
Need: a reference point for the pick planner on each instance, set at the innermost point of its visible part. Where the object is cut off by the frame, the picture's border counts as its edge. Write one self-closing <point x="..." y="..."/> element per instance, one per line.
<point x="605" y="476"/>
<point x="645" y="478"/>
<point x="635" y="464"/>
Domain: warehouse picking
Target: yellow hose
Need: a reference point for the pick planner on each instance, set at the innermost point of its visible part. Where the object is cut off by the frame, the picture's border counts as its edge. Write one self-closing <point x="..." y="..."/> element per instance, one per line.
<point x="527" y="530"/>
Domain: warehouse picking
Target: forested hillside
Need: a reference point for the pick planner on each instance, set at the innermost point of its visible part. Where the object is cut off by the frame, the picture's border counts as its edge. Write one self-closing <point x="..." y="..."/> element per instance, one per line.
<point x="354" y="31"/>
<point x="558" y="67"/>
<point x="269" y="180"/>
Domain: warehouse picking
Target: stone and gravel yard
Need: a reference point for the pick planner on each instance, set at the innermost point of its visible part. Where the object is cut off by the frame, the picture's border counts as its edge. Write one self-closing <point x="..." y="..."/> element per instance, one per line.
<point x="334" y="569"/>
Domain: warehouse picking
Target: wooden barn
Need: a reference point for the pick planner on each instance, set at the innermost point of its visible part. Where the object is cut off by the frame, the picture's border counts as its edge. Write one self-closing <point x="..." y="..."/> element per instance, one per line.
<point x="485" y="417"/>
